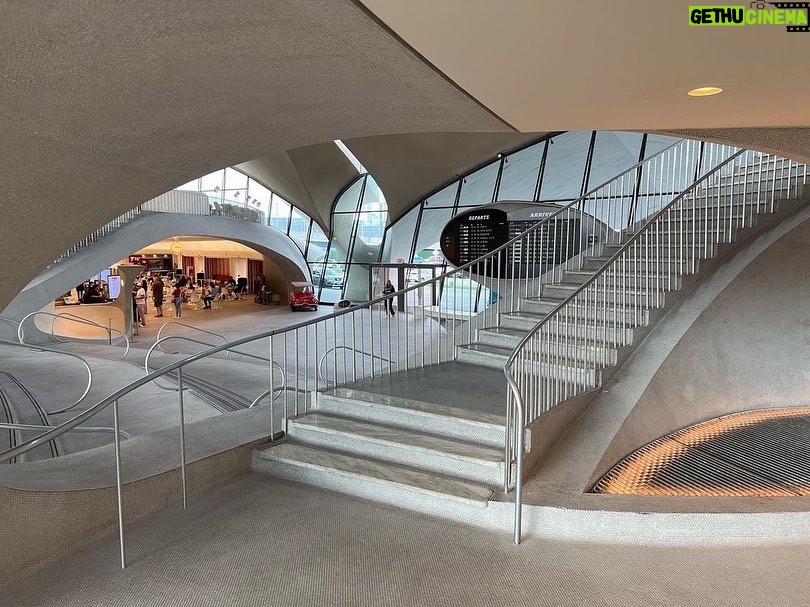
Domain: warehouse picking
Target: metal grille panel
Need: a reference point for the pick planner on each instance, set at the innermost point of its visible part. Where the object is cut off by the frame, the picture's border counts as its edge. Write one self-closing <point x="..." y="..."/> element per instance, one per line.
<point x="764" y="453"/>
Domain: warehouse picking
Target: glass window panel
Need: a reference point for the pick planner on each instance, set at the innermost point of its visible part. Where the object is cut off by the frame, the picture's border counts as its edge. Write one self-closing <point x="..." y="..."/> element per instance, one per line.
<point x="193" y="185"/>
<point x="461" y="294"/>
<point x="427" y="243"/>
<point x="211" y="181"/>
<point x="373" y="197"/>
<point x="477" y="188"/>
<point x="399" y="240"/>
<point x="356" y="287"/>
<point x="317" y="244"/>
<point x="279" y="214"/>
<point x="299" y="228"/>
<point x="614" y="153"/>
<point x="259" y="193"/>
<point x="234" y="180"/>
<point x="656" y="143"/>
<point x="343" y="228"/>
<point x="349" y="200"/>
<point x="565" y="166"/>
<point x="519" y="177"/>
<point x="670" y="172"/>
<point x="331" y="281"/>
<point x="446" y="197"/>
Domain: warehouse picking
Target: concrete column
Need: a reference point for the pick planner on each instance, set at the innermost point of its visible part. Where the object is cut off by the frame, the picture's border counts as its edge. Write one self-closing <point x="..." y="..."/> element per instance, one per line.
<point x="124" y="302"/>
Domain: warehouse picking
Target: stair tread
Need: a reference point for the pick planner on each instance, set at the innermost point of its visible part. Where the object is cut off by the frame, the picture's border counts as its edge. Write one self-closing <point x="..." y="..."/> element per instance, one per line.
<point x="388" y="474"/>
<point x="542" y="357"/>
<point x="400" y="437"/>
<point x="487" y="348"/>
<point x="421" y="408"/>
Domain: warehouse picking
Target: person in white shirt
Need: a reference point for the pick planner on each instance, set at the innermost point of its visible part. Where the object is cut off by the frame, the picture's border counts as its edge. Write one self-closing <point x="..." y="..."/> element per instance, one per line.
<point x="140" y="304"/>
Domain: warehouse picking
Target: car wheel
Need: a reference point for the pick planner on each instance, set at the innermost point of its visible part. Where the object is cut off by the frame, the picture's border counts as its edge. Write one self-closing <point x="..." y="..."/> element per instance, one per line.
<point x="315" y="308"/>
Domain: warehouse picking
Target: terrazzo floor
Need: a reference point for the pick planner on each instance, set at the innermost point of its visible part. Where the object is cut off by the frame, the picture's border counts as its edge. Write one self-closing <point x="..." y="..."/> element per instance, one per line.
<point x="262" y="541"/>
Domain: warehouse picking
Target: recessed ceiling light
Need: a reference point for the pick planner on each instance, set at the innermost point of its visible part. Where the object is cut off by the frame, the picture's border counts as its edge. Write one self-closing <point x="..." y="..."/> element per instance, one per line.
<point x="705" y="91"/>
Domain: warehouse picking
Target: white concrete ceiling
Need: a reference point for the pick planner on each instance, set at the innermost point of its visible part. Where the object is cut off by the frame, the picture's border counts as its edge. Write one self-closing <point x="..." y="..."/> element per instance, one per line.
<point x="105" y="105"/>
<point x="546" y="65"/>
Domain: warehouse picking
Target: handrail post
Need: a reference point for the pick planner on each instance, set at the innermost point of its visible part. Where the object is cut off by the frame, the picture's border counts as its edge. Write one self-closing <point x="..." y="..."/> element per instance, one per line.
<point x="182" y="436"/>
<point x="118" y="484"/>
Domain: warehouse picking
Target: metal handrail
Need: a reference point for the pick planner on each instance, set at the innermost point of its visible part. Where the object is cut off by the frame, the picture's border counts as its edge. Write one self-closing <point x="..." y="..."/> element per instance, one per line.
<point x="514" y="390"/>
<point x="72" y="318"/>
<point x="34" y="348"/>
<point x="158" y="343"/>
<point x="290" y="333"/>
<point x="322" y="376"/>
<point x="82" y="429"/>
<point x="188" y="326"/>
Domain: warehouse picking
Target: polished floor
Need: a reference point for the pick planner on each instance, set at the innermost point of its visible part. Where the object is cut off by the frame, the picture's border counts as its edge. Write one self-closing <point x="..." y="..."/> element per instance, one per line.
<point x="263" y="541"/>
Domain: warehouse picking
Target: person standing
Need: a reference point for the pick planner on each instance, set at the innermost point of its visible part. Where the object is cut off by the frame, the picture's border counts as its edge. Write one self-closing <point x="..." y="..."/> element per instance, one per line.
<point x="79" y="291"/>
<point x="177" y="300"/>
<point x="157" y="296"/>
<point x="389" y="303"/>
<point x="140" y="304"/>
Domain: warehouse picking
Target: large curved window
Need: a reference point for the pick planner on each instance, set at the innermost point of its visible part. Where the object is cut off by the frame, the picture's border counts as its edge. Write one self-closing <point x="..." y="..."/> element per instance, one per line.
<point x="557" y="169"/>
<point x="232" y="189"/>
<point x="359" y="218"/>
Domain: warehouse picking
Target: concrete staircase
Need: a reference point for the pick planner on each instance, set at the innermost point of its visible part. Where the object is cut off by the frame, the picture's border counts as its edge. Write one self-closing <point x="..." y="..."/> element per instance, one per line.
<point x="606" y="343"/>
<point x="416" y="455"/>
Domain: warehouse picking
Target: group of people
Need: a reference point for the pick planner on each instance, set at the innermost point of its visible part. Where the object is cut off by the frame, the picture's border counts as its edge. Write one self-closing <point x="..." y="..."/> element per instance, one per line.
<point x="146" y="283"/>
<point x="92" y="291"/>
<point x="182" y="289"/>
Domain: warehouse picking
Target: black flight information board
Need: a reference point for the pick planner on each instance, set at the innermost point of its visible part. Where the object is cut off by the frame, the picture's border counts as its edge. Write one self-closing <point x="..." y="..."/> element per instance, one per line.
<point x="475" y="233"/>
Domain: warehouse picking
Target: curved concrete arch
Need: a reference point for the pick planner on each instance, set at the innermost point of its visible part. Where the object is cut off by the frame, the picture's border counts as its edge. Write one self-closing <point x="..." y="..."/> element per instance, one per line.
<point x="146" y="230"/>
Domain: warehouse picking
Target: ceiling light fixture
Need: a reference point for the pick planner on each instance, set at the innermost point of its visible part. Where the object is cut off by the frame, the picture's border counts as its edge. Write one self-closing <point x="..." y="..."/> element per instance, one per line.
<point x="705" y="91"/>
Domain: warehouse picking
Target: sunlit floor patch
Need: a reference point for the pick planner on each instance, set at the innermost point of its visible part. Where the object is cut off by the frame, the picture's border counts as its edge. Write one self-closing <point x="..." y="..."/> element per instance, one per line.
<point x="764" y="453"/>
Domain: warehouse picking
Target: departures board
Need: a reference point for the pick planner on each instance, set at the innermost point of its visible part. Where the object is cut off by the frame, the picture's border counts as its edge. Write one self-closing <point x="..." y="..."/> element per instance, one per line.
<point x="473" y="234"/>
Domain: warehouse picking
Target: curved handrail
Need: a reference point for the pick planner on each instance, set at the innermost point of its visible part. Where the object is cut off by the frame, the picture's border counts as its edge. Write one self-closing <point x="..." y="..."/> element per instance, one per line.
<point x="510" y="361"/>
<point x="134" y="385"/>
<point x="514" y="390"/>
<point x="72" y="318"/>
<point x="84" y="429"/>
<point x="335" y="348"/>
<point x="196" y="341"/>
<point x="182" y="324"/>
<point x="34" y="348"/>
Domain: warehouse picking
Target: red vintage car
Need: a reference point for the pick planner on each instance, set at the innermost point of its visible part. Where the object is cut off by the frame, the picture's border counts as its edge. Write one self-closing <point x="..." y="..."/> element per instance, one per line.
<point x="302" y="296"/>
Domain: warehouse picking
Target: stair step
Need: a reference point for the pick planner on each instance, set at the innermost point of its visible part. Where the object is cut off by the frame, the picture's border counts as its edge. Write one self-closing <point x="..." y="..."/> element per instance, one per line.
<point x="597" y="331"/>
<point x="628" y="296"/>
<point x="625" y="275"/>
<point x="492" y="356"/>
<point x="397" y="446"/>
<point x="449" y="422"/>
<point x="510" y="338"/>
<point x="660" y="264"/>
<point x="364" y="477"/>
<point x="535" y="309"/>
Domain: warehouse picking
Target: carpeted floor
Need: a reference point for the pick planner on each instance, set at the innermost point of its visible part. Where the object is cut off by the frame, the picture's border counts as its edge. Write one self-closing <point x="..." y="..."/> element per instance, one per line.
<point x="262" y="541"/>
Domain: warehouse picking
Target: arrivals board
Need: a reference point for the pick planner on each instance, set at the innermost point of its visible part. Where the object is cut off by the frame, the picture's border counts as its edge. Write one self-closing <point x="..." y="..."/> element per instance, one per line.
<point x="479" y="231"/>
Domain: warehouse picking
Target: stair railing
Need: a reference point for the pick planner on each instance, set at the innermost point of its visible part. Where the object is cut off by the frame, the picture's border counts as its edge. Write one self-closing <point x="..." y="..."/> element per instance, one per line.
<point x="412" y="340"/>
<point x="563" y="355"/>
<point x="322" y="374"/>
<point x="67" y="316"/>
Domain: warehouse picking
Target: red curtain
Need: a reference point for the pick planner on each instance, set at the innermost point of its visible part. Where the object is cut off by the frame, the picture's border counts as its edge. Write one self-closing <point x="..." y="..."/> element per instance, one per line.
<point x="188" y="262"/>
<point x="215" y="266"/>
<point x="255" y="268"/>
